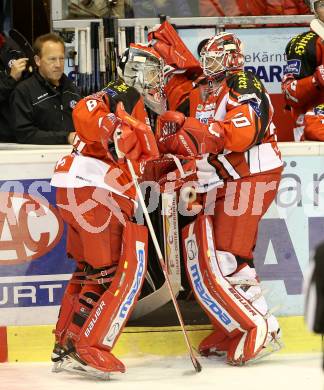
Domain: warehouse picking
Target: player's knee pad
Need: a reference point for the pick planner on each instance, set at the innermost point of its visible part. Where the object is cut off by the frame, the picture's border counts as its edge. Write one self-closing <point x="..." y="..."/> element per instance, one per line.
<point x="225" y="300"/>
<point x="109" y="312"/>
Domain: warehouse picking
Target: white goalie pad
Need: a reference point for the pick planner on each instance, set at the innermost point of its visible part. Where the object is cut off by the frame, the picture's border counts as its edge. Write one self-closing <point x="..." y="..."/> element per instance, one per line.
<point x="225" y="305"/>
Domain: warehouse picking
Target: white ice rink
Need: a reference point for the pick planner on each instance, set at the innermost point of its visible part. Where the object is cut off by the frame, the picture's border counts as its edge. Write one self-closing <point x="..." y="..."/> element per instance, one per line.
<point x="277" y="372"/>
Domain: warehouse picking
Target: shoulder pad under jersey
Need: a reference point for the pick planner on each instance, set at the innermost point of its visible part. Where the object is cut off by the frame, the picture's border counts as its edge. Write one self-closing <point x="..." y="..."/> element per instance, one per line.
<point x="301" y="55"/>
<point x="244" y="85"/>
<point x="118" y="91"/>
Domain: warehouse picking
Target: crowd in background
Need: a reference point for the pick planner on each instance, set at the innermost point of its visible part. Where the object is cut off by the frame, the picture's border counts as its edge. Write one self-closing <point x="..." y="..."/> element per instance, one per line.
<point x="185" y="8"/>
<point x="23" y="112"/>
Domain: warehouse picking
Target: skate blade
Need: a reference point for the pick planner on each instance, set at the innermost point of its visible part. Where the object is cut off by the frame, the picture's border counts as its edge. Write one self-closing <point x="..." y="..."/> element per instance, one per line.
<point x="73" y="367"/>
<point x="273" y="346"/>
<point x="59" y="365"/>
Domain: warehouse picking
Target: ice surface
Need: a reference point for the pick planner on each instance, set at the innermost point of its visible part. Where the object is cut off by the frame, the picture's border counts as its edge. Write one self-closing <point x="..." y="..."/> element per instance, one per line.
<point x="276" y="372"/>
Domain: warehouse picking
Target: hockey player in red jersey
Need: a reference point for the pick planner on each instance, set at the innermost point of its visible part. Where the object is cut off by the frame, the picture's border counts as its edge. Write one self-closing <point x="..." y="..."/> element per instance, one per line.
<point x="96" y="199"/>
<point x="226" y="124"/>
<point x="303" y="82"/>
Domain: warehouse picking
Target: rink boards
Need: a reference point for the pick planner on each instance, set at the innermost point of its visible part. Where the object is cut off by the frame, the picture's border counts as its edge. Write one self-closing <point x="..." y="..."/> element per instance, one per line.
<point x="34" y="269"/>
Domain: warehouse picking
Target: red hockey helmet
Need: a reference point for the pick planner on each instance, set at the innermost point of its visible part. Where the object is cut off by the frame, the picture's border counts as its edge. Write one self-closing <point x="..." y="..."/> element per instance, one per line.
<point x="221" y="53"/>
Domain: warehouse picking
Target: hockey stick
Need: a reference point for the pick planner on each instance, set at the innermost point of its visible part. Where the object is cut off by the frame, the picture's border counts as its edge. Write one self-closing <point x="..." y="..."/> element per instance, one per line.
<point x="25" y="47"/>
<point x="89" y="74"/>
<point x="102" y="56"/>
<point x="171" y="238"/>
<point x="194" y="360"/>
<point x="76" y="56"/>
<point x="318" y="27"/>
<point x="161" y="296"/>
<point x="83" y="62"/>
<point x="151" y="302"/>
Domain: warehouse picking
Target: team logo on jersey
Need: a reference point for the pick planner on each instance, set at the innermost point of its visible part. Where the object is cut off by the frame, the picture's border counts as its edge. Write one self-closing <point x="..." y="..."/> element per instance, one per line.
<point x="319" y="110"/>
<point x="293" y="67"/>
<point x="110" y="92"/>
<point x="29" y="227"/>
<point x="210" y="106"/>
<point x="200" y="107"/>
<point x="205" y="116"/>
<point x="73" y="103"/>
<point x="255" y="107"/>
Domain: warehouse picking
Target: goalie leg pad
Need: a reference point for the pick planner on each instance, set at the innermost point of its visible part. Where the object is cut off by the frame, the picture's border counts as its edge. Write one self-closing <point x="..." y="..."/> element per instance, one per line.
<point x="110" y="312"/>
<point x="224" y="304"/>
<point x="69" y="300"/>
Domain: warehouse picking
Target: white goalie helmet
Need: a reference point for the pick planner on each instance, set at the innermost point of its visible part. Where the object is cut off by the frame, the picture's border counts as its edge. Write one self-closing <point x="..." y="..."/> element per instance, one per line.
<point x="142" y="67"/>
<point x="314" y="5"/>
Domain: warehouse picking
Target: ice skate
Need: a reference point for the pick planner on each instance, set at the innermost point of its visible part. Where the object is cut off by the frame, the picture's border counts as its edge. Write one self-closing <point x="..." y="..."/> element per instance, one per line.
<point x="73" y="365"/>
<point x="58" y="356"/>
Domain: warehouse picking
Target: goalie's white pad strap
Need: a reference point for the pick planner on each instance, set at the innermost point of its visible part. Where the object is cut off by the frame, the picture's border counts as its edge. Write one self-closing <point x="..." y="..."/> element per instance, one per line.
<point x="219" y="298"/>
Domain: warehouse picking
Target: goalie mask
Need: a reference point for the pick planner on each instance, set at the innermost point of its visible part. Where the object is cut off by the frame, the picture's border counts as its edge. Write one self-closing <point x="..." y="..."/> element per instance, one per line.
<point x="142" y="67"/>
<point x="222" y="53"/>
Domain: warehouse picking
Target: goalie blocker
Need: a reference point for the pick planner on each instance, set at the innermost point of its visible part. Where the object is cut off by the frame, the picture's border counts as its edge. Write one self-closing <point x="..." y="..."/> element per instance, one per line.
<point x="230" y="295"/>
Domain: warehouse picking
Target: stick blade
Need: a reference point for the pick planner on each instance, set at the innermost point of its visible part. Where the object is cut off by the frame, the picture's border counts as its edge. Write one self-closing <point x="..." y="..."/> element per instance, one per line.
<point x="196" y="364"/>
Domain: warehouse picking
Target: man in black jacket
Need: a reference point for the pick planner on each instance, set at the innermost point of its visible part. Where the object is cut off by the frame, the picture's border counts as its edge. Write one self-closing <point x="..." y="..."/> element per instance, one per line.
<point x="42" y="105"/>
<point x="10" y="73"/>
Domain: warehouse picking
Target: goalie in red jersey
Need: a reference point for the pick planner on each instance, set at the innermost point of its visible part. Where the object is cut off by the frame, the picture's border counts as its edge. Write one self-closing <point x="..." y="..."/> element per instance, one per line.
<point x="96" y="199"/>
<point x="303" y="82"/>
<point x="223" y="120"/>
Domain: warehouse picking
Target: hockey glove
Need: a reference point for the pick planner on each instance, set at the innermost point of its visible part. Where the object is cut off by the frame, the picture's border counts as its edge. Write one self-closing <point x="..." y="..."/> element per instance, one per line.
<point x="107" y="127"/>
<point x="169" y="45"/>
<point x="319" y="76"/>
<point x="134" y="139"/>
<point x="187" y="136"/>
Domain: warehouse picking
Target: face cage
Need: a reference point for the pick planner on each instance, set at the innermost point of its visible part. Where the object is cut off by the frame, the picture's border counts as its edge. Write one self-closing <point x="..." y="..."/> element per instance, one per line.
<point x="216" y="67"/>
<point x="153" y="76"/>
<point x="138" y="75"/>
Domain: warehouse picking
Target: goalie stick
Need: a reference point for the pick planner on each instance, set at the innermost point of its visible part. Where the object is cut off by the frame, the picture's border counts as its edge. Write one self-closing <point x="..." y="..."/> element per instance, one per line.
<point x="161" y="295"/>
<point x="317" y="26"/>
<point x="194" y="360"/>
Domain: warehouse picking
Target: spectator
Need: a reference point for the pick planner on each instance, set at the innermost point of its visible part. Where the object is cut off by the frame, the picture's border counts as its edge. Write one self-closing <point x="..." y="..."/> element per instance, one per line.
<point x="220" y="8"/>
<point x="252" y="7"/>
<point x="9" y="76"/>
<point x="42" y="105"/>
<point x="153" y="8"/>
